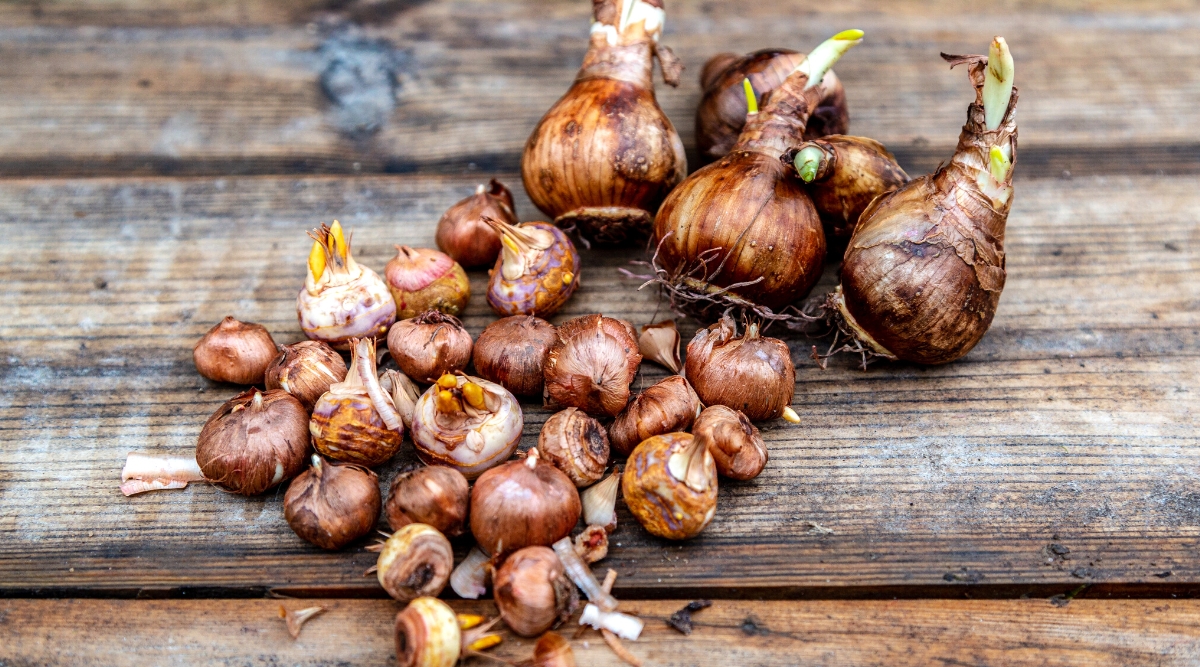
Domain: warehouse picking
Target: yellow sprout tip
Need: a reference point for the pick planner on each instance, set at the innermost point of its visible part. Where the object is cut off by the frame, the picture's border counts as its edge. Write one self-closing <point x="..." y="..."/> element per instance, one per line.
<point x="316" y="261"/>
<point x="339" y="239"/>
<point x="790" y="415"/>
<point x="447" y="381"/>
<point x="485" y="642"/>
<point x="849" y="35"/>
<point x="473" y="394"/>
<point x="510" y="243"/>
<point x="751" y="99"/>
<point x="468" y="621"/>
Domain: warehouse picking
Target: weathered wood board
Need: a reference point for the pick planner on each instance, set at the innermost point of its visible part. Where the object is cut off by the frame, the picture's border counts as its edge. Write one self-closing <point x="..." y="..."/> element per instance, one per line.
<point x="133" y="87"/>
<point x="249" y="632"/>
<point x="1072" y="424"/>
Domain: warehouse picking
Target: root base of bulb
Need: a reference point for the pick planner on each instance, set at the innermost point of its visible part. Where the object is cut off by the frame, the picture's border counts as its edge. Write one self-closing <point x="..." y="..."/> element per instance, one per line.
<point x="690" y="294"/>
<point x="608" y="225"/>
<point x="853" y="338"/>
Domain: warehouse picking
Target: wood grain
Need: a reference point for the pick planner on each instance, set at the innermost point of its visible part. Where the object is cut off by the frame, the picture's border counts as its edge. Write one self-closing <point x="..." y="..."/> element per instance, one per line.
<point x="250" y="632"/>
<point x="1062" y="451"/>
<point x="194" y="87"/>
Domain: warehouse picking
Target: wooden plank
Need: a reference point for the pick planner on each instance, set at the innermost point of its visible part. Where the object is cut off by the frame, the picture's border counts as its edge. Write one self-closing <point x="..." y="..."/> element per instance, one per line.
<point x="473" y="77"/>
<point x="1073" y="423"/>
<point x="359" y="632"/>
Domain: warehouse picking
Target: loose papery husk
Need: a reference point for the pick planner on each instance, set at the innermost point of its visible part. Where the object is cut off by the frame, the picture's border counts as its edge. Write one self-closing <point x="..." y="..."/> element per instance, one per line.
<point x="924" y="269"/>
<point x="721" y="114"/>
<point x="604" y="156"/>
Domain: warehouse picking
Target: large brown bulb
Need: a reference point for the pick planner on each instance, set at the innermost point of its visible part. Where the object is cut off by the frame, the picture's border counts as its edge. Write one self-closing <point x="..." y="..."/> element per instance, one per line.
<point x="925" y="267"/>
<point x="462" y="233"/>
<point x="533" y="592"/>
<point x="604" y="156"/>
<point x="756" y="223"/>
<point x="306" y="370"/>
<point x="233" y="351"/>
<point x="522" y="503"/>
<point x="670" y="405"/>
<point x="435" y="495"/>
<point x="748" y="372"/>
<point x="332" y="504"/>
<point x="722" y="111"/>
<point x="254" y="441"/>
<point x="512" y="353"/>
<point x="591" y="365"/>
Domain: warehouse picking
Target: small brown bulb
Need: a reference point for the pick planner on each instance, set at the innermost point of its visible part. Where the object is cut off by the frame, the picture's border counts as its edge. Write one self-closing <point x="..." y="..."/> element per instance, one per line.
<point x="233" y="351"/>
<point x="735" y="444"/>
<point x="306" y="370"/>
<point x="427" y="634"/>
<point x="670" y="485"/>
<point x="522" y="503"/>
<point x="591" y="365"/>
<point x="429" y="345"/>
<point x="332" y="504"/>
<point x="433" y="495"/>
<point x="533" y="592"/>
<point x="512" y="352"/>
<point x="575" y="444"/>
<point x="844" y="175"/>
<point x="422" y="279"/>
<point x="748" y="373"/>
<point x="416" y="561"/>
<point x="462" y="233"/>
<point x="551" y="650"/>
<point x="253" y="442"/>
<point x="668" y="406"/>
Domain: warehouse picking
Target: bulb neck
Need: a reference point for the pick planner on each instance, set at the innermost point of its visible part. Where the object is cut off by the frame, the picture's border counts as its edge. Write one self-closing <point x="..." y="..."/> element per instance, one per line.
<point x="631" y="63"/>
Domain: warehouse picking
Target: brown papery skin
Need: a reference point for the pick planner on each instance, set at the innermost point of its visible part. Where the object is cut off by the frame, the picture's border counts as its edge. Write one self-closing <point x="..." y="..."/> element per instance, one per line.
<point x="434" y="495"/>
<point x="332" y="504"/>
<point x="254" y="441"/>
<point x="514" y="506"/>
<point x="462" y="233"/>
<point x="664" y="505"/>
<point x="305" y="370"/>
<point x="755" y="221"/>
<point x="576" y="444"/>
<point x="233" y="351"/>
<point x="858" y="170"/>
<point x="604" y="156"/>
<point x="429" y="346"/>
<point x="670" y="405"/>
<point x="748" y="373"/>
<point x="925" y="267"/>
<point x="735" y="444"/>
<point x="591" y="365"/>
<point x="512" y="352"/>
<point x="722" y="111"/>
<point x="533" y="592"/>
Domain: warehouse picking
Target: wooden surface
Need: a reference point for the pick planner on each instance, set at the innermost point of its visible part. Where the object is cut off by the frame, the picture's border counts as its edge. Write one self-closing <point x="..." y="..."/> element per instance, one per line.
<point x="161" y="161"/>
<point x="123" y="88"/>
<point x="1127" y="633"/>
